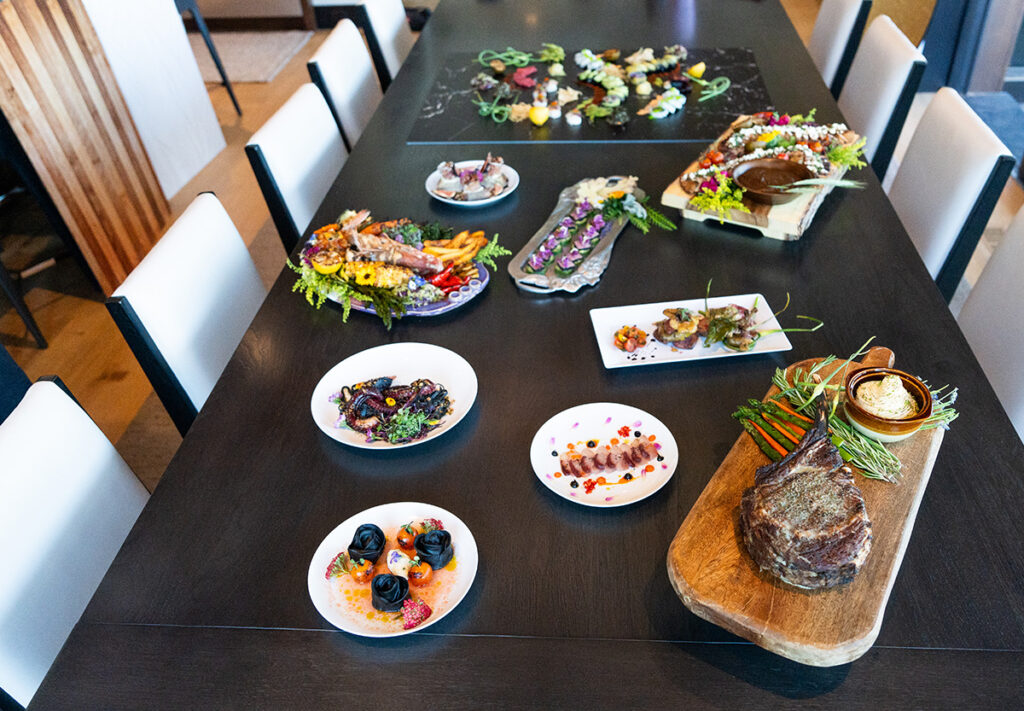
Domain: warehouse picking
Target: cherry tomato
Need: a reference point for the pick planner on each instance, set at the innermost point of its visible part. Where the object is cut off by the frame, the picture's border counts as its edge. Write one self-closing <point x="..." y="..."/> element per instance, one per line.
<point x="362" y="571"/>
<point x="716" y="157"/>
<point x="420" y="574"/>
<point x="816" y="147"/>
<point x="407" y="536"/>
<point x="705" y="163"/>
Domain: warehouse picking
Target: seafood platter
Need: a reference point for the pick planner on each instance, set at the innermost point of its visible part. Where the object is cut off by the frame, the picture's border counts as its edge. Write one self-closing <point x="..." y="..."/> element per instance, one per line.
<point x="395" y="395"/>
<point x="695" y="329"/>
<point x="796" y="541"/>
<point x="393" y="569"/>
<point x="395" y="267"/>
<point x="572" y="248"/>
<point x="604" y="454"/>
<point x="767" y="171"/>
<point x="472" y="183"/>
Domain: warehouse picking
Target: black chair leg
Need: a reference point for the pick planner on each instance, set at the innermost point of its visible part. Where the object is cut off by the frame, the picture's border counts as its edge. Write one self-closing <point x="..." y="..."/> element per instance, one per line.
<point x="201" y="24"/>
<point x="14" y="294"/>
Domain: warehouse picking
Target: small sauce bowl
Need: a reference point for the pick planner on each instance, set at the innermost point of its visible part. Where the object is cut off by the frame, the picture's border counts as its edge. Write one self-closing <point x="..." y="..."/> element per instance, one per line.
<point x="883" y="429"/>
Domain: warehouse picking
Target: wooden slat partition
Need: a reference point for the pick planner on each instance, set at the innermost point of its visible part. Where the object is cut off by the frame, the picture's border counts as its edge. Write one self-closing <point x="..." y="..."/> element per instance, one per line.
<point x="62" y="101"/>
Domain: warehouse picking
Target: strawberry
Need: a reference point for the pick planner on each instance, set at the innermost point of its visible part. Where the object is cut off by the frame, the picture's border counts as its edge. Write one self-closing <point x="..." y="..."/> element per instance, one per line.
<point x="414" y="612"/>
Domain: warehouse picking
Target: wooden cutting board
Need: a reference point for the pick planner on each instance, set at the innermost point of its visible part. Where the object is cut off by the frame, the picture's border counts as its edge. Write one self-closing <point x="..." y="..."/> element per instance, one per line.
<point x="717" y="580"/>
<point x="787" y="221"/>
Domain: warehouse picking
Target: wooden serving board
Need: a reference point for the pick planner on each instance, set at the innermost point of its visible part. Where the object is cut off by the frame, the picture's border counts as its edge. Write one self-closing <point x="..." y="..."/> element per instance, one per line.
<point x="784" y="222"/>
<point x="717" y="580"/>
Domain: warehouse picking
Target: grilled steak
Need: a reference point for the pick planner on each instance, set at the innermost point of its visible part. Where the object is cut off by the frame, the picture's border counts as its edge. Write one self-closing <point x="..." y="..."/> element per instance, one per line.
<point x="804" y="520"/>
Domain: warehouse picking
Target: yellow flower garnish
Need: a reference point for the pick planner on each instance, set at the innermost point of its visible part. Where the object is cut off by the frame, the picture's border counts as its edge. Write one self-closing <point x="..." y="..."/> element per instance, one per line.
<point x="768" y="136"/>
<point x="390" y="401"/>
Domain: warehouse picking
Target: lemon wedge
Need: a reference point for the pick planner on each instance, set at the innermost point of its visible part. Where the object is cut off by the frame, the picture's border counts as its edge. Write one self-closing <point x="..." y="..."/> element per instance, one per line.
<point x="539" y="115"/>
<point x="697" y="70"/>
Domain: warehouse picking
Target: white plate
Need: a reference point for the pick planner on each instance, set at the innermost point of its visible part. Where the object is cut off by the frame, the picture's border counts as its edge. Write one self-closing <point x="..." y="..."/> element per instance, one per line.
<point x="609" y="320"/>
<point x="601" y="421"/>
<point x="513" y="182"/>
<point x="390" y="516"/>
<point x="406" y="362"/>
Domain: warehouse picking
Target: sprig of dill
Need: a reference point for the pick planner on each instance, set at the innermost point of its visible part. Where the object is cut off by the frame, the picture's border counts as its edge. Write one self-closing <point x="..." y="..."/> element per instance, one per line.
<point x="491" y="250"/>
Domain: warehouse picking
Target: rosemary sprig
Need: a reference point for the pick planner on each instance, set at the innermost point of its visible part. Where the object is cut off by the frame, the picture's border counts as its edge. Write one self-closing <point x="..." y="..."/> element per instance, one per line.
<point x="942" y="407"/>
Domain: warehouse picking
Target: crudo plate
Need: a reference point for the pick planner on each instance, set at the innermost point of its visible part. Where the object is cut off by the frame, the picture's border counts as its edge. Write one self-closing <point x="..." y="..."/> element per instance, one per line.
<point x="390" y="517"/>
<point x="510" y="173"/>
<point x="607" y="321"/>
<point x="603" y="423"/>
<point x="406" y="362"/>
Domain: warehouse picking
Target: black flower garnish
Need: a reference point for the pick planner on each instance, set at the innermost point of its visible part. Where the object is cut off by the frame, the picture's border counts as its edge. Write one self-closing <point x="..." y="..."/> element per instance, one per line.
<point x="387" y="592"/>
<point x="367" y="543"/>
<point x="435" y="548"/>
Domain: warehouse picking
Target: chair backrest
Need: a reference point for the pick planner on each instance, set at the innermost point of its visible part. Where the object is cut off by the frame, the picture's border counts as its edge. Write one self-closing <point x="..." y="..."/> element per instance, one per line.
<point x="186" y="306"/>
<point x="343" y="71"/>
<point x="947" y="184"/>
<point x="880" y="88"/>
<point x="13" y="383"/>
<point x="835" y="37"/>
<point x="997" y="343"/>
<point x="296" y="155"/>
<point x="64" y="513"/>
<point x="387" y="17"/>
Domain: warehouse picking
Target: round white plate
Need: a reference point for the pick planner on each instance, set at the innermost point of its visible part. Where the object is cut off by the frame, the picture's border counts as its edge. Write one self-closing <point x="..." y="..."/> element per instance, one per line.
<point x="406" y="362"/>
<point x="390" y="516"/>
<point x="513" y="182"/>
<point x="601" y="421"/>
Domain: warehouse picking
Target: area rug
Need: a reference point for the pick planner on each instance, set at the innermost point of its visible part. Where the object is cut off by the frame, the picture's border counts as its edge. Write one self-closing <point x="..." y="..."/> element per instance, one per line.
<point x="247" y="56"/>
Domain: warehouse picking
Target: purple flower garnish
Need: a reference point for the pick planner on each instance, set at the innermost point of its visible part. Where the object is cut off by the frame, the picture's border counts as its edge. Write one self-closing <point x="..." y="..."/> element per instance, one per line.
<point x="598" y="221"/>
<point x="710" y="184"/>
<point x="536" y="261"/>
<point x="565" y="262"/>
<point x="582" y="241"/>
<point x="561" y="232"/>
<point x="567" y="222"/>
<point x="591" y="231"/>
<point x="551" y="242"/>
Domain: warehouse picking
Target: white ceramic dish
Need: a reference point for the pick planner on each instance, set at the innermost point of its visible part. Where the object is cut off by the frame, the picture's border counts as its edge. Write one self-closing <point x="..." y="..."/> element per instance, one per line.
<point x="601" y="421"/>
<point x="510" y="173"/>
<point x="388" y="517"/>
<point x="406" y="362"/>
<point x="607" y="321"/>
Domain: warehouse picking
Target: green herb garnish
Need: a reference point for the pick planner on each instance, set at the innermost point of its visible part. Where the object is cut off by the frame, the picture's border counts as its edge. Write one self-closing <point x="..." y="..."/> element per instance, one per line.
<point x="404" y="426"/>
<point x="727" y="196"/>
<point x="489" y="251"/>
<point x="848" y="156"/>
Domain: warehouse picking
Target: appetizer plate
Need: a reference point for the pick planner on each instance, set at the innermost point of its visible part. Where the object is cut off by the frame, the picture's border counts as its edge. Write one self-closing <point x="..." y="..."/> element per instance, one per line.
<point x="607" y="321"/>
<point x="510" y="173"/>
<point x="602" y="422"/>
<point x="406" y="362"/>
<point x="390" y="517"/>
<point x="453" y="301"/>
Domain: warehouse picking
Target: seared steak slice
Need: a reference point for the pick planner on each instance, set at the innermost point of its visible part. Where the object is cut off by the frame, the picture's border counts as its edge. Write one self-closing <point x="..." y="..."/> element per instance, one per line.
<point x="804" y="519"/>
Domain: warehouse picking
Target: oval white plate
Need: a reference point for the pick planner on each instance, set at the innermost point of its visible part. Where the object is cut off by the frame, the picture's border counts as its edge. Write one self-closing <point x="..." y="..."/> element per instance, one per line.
<point x="601" y="421"/>
<point x="406" y="362"/>
<point x="389" y="516"/>
<point x="513" y="182"/>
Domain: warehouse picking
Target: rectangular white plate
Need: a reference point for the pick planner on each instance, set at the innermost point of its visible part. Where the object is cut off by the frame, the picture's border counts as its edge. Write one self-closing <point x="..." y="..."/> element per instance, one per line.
<point x="609" y="320"/>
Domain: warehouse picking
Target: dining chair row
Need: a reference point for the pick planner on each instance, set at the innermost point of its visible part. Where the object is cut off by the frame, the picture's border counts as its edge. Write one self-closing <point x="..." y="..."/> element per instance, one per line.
<point x="835" y="38"/>
<point x="183" y="311"/>
<point x="955" y="167"/>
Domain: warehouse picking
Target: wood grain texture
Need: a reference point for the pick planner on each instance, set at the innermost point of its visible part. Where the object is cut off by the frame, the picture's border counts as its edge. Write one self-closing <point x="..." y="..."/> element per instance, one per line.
<point x="715" y="577"/>
<point x="787" y="221"/>
<point x="63" y="103"/>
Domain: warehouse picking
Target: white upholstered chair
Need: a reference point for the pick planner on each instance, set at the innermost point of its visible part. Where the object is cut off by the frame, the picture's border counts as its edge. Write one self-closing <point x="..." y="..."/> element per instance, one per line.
<point x="947" y="184"/>
<point x="984" y="319"/>
<point x="835" y="37"/>
<point x="880" y="88"/>
<point x="64" y="512"/>
<point x="343" y="71"/>
<point x="296" y="155"/>
<point x="387" y="18"/>
<point x="186" y="306"/>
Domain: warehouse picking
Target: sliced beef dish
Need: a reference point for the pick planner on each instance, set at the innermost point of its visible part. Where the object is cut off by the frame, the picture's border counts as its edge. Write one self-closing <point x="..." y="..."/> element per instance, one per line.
<point x="804" y="519"/>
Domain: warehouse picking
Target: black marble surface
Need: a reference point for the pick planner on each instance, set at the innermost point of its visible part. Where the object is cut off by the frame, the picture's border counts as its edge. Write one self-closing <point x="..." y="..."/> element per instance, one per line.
<point x="448" y="114"/>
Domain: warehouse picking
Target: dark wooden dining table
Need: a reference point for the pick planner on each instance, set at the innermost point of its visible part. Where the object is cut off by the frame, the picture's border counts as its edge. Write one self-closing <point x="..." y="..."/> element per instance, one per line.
<point x="206" y="604"/>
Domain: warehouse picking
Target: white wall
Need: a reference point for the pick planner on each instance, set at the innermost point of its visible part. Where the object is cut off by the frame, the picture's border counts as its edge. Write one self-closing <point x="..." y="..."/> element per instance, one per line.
<point x="149" y="53"/>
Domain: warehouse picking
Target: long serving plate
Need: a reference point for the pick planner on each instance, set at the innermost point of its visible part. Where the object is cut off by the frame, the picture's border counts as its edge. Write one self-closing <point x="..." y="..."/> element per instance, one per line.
<point x="714" y="576"/>
<point x="589" y="270"/>
<point x="607" y="321"/>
